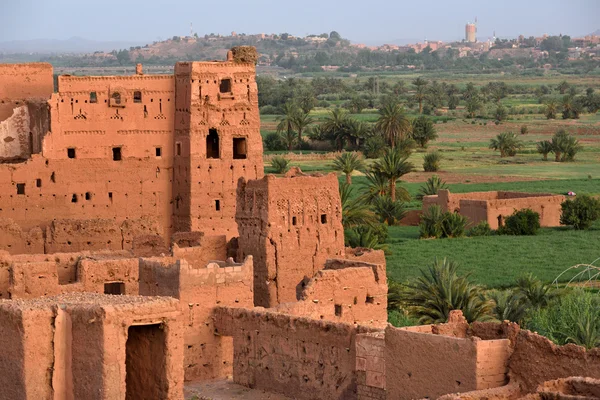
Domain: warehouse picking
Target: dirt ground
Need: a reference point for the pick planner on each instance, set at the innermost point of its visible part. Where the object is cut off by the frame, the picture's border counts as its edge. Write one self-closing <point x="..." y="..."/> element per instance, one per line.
<point x="226" y="390"/>
<point x="452" y="177"/>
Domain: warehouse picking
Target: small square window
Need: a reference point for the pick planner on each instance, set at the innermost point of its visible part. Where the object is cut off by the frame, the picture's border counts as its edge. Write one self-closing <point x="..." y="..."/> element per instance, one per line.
<point x="218" y="205"/>
<point x="93" y="97"/>
<point x="137" y="96"/>
<point x="71" y="152"/>
<point x="20" y="188"/>
<point x="116" y="153"/>
<point x="38" y="183"/>
<point x="370" y="299"/>
<point x="239" y="148"/>
<point x="88" y="196"/>
<point x="323" y="218"/>
<point x="74" y="198"/>
<point x="158" y="151"/>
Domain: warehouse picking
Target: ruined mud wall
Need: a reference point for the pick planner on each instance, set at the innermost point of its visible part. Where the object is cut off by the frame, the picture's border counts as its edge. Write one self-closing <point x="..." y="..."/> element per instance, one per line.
<point x="23" y="125"/>
<point x="81" y="340"/>
<point x="420" y="364"/>
<point x="200" y="289"/>
<point x="547" y="206"/>
<point x="536" y="359"/>
<point x="291" y="226"/>
<point x="298" y="357"/>
<point x="370" y="366"/>
<point x="345" y="291"/>
<point x="217" y="139"/>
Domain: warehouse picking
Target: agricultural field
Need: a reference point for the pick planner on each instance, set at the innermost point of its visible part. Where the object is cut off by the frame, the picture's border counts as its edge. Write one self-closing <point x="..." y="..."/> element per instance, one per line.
<point x="468" y="164"/>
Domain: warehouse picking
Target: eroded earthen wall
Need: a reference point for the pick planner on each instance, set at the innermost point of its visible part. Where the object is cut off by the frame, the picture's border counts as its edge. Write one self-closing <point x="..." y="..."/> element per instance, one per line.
<point x="536" y="359"/>
<point x="200" y="288"/>
<point x="291" y="226"/>
<point x="298" y="357"/>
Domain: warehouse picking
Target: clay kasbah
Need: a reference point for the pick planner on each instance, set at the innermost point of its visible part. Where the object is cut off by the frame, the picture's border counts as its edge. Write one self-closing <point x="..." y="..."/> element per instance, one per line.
<point x="143" y="251"/>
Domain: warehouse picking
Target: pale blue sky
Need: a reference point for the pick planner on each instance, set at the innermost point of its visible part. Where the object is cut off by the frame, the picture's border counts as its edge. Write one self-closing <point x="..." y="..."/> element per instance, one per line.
<point x="361" y="21"/>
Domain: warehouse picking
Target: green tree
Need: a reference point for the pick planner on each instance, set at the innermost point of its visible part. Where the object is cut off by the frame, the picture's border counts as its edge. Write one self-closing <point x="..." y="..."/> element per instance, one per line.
<point x="301" y="121"/>
<point x="420" y="85"/>
<point x="562" y="87"/>
<point x="423" y="131"/>
<point x="473" y="106"/>
<point x="551" y="109"/>
<point x="286" y="124"/>
<point x="335" y="126"/>
<point x="377" y="185"/>
<point x="544" y="148"/>
<point x="501" y="113"/>
<point x="393" y="165"/>
<point x="348" y="163"/>
<point x="354" y="211"/>
<point x="507" y="143"/>
<point x="393" y="123"/>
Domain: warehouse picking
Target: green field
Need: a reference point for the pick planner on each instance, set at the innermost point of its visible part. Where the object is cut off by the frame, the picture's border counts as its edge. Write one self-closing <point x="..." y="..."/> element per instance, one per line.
<point x="495" y="261"/>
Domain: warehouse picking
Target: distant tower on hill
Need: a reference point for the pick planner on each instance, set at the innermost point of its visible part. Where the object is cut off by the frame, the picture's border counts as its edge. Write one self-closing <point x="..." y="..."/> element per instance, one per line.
<point x="471" y="32"/>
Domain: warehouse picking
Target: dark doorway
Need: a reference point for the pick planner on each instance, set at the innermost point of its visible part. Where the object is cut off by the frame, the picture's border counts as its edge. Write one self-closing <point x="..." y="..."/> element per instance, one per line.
<point x="114" y="288"/>
<point x="145" y="361"/>
<point x="212" y="144"/>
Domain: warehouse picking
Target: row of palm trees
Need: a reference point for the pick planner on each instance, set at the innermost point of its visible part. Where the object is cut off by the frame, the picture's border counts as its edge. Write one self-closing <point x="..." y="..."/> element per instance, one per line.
<point x="563" y="145"/>
<point x="342" y="129"/>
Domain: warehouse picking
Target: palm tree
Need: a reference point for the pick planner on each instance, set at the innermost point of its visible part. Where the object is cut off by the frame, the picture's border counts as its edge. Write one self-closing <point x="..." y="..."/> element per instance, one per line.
<point x="551" y="109"/>
<point x="393" y="165"/>
<point x="378" y="185"/>
<point x="423" y="130"/>
<point x="544" y="148"/>
<point x="420" y="85"/>
<point x="537" y="293"/>
<point x="354" y="211"/>
<point x="336" y="126"/>
<point x="507" y="143"/>
<point x="563" y="87"/>
<point x="509" y="305"/>
<point x="393" y="123"/>
<point x="347" y="163"/>
<point x="431" y="187"/>
<point x="357" y="130"/>
<point x="301" y="121"/>
<point x="286" y="124"/>
<point x="439" y="290"/>
<point x="389" y="211"/>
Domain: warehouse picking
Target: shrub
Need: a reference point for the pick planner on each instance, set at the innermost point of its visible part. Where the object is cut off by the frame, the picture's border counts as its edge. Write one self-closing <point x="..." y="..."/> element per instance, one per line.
<point x="481" y="229"/>
<point x="454" y="225"/>
<point x="431" y="161"/>
<point x="389" y="212"/>
<point x="521" y="222"/>
<point x="507" y="143"/>
<point x="524" y="130"/>
<point x="269" y="110"/>
<point x="423" y="131"/>
<point x="374" y="147"/>
<point x="439" y="290"/>
<point x="431" y="223"/>
<point x="544" y="148"/>
<point x="431" y="187"/>
<point x="574" y="318"/>
<point x="400" y="319"/>
<point x="564" y="146"/>
<point x="581" y="212"/>
<point x="367" y="236"/>
<point x="273" y="142"/>
<point x="280" y="164"/>
<point x="509" y="305"/>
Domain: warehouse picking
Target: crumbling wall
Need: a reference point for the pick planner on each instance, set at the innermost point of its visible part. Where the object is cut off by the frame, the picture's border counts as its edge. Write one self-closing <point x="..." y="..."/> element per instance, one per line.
<point x="200" y="289"/>
<point x="15" y="241"/>
<point x="291" y="226"/>
<point x="345" y="291"/>
<point x="299" y="357"/>
<point x="547" y="206"/>
<point x="434" y="360"/>
<point x="370" y="366"/>
<point x="536" y="359"/>
<point x="22" y="131"/>
<point x="208" y="248"/>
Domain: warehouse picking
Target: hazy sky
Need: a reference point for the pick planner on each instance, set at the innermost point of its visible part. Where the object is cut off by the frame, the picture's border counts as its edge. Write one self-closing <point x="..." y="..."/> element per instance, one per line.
<point x="360" y="21"/>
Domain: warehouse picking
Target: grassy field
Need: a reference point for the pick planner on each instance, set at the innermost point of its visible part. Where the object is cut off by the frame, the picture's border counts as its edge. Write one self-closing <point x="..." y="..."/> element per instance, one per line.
<point x="495" y="261"/>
